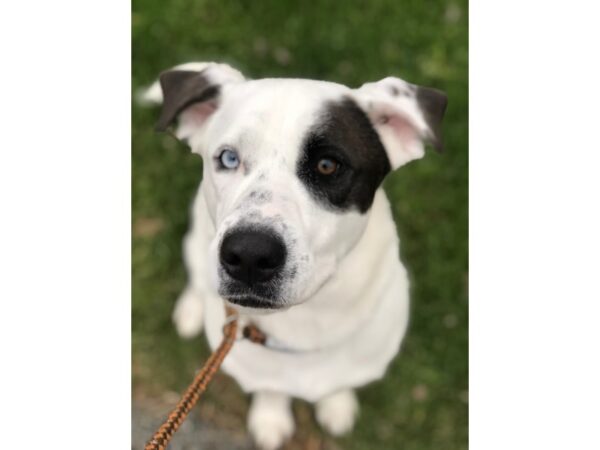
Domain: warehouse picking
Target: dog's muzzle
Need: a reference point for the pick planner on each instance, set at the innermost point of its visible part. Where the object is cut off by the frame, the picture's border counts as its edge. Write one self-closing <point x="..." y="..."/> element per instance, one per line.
<point x="253" y="258"/>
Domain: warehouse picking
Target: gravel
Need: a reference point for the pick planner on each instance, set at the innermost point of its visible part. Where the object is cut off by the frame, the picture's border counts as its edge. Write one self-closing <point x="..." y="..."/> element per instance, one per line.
<point x="194" y="434"/>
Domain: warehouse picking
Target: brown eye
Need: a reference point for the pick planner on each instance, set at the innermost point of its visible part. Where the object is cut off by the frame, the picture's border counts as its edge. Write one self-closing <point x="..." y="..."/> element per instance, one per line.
<point x="327" y="166"/>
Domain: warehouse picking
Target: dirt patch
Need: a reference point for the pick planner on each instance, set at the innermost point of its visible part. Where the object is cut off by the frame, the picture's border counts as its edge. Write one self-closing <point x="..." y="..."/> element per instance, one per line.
<point x="196" y="433"/>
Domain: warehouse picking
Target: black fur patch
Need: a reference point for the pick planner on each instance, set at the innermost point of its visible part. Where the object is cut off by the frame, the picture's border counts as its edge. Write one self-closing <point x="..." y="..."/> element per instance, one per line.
<point x="344" y="133"/>
<point x="181" y="89"/>
<point x="433" y="104"/>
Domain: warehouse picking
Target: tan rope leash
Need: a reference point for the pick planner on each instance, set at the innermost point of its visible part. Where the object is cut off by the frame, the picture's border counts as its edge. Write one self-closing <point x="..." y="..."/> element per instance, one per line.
<point x="163" y="435"/>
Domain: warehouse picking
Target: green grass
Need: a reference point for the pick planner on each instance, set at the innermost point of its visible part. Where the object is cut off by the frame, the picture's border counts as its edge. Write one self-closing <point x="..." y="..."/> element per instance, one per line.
<point x="421" y="404"/>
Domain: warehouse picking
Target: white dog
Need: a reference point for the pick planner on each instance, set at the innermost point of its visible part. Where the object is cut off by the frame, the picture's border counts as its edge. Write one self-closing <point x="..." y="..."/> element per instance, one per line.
<point x="290" y="226"/>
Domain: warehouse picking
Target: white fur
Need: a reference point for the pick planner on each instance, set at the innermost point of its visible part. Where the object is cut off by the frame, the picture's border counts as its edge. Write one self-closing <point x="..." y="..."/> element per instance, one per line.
<point x="270" y="419"/>
<point x="345" y="334"/>
<point x="187" y="316"/>
<point x="337" y="412"/>
<point x="397" y="118"/>
<point x="347" y="308"/>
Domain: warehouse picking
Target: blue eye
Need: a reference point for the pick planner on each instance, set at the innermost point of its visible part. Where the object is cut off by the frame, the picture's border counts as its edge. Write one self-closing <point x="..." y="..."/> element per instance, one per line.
<point x="229" y="159"/>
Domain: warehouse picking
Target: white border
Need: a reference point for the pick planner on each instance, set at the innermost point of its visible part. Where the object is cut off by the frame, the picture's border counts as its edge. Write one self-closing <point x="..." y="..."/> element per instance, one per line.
<point x="534" y="225"/>
<point x="65" y="224"/>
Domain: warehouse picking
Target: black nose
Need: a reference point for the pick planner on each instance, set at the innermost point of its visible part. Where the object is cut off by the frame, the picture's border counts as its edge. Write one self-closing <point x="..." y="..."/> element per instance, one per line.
<point x="252" y="256"/>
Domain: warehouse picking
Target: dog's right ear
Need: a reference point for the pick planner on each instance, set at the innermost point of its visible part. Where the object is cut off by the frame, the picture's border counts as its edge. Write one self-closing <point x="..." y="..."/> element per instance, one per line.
<point x="190" y="94"/>
<point x="405" y="116"/>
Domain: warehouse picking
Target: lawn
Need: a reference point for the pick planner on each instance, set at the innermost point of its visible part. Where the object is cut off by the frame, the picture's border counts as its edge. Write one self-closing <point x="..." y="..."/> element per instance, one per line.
<point x="422" y="402"/>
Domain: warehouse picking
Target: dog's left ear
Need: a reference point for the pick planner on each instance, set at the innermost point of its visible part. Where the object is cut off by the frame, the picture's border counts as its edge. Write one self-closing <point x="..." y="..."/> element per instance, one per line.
<point x="405" y="116"/>
<point x="190" y="94"/>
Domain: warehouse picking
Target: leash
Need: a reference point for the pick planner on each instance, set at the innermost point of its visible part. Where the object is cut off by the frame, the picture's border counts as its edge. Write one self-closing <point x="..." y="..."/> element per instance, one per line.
<point x="163" y="435"/>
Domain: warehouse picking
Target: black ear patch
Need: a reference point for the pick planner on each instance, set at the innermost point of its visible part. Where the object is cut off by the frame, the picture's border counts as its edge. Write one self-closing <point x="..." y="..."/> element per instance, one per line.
<point x="433" y="104"/>
<point x="182" y="88"/>
<point x="343" y="132"/>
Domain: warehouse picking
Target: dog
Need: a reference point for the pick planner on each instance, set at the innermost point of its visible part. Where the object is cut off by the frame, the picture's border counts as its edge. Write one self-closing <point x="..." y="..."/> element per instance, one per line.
<point x="291" y="227"/>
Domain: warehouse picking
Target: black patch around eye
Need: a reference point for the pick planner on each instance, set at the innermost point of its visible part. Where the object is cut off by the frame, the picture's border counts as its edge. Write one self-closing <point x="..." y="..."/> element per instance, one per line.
<point x="344" y="133"/>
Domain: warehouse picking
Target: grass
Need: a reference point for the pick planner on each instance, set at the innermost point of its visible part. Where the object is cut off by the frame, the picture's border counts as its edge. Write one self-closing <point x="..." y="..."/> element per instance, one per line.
<point x="422" y="402"/>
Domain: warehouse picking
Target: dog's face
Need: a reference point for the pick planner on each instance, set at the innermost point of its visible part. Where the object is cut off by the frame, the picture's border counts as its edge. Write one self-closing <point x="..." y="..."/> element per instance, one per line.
<point x="290" y="169"/>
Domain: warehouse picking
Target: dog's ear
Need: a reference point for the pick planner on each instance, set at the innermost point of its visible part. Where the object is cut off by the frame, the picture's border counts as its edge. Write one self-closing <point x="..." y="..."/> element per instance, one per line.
<point x="405" y="116"/>
<point x="190" y="94"/>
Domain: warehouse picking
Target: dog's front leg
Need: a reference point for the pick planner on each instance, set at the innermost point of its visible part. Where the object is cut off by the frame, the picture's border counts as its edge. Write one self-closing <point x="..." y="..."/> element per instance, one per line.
<point x="270" y="419"/>
<point x="187" y="316"/>
<point x="337" y="412"/>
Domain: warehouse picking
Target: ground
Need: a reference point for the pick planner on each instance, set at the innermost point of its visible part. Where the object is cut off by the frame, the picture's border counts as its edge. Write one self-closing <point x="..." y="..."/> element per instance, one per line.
<point x="422" y="402"/>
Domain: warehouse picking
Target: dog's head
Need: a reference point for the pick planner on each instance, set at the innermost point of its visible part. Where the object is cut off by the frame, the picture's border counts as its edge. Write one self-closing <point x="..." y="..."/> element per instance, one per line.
<point x="291" y="167"/>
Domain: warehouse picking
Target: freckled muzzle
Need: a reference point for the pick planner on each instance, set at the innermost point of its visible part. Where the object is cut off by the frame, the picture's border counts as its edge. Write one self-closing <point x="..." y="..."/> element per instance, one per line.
<point x="253" y="260"/>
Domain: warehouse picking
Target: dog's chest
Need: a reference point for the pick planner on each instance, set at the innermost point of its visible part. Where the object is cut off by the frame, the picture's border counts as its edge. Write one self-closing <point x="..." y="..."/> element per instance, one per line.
<point x="307" y="362"/>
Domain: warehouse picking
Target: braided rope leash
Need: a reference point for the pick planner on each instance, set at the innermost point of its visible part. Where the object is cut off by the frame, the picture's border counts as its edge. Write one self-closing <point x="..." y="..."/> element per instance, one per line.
<point x="163" y="435"/>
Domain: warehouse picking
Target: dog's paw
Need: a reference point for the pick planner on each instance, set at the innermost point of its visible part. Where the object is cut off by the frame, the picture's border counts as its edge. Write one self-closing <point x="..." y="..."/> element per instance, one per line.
<point x="270" y="421"/>
<point x="270" y="430"/>
<point x="187" y="315"/>
<point x="337" y="412"/>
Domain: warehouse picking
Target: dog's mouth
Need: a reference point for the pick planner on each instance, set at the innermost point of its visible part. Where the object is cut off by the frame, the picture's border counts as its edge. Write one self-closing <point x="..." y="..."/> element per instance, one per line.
<point x="258" y="296"/>
<point x="253" y="301"/>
